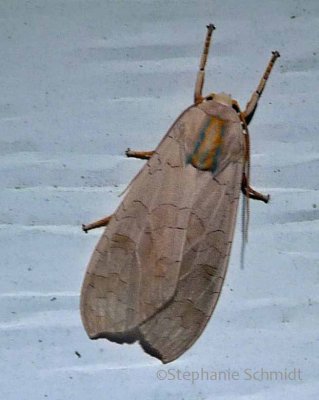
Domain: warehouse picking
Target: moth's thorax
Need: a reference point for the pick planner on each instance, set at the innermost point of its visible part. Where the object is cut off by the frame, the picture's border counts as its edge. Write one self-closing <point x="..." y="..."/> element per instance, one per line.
<point x="207" y="147"/>
<point x="219" y="108"/>
<point x="222" y="98"/>
<point x="214" y="137"/>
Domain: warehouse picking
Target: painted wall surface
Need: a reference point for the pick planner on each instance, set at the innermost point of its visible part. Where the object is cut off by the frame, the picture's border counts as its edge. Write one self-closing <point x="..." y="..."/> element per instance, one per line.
<point x="80" y="82"/>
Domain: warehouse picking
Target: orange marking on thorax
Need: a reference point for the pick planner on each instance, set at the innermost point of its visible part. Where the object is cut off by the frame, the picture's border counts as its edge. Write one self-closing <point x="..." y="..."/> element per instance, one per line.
<point x="208" y="147"/>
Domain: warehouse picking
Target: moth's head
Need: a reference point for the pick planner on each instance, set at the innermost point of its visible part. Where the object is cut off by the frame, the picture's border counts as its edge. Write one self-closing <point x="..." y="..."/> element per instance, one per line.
<point x="222" y="98"/>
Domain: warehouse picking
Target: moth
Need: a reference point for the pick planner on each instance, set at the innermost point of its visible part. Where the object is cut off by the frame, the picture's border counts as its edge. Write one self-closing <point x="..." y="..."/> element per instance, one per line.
<point x="157" y="272"/>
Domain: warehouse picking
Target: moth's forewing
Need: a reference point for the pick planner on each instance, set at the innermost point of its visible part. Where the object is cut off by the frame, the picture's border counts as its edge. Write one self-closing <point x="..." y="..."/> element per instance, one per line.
<point x="157" y="271"/>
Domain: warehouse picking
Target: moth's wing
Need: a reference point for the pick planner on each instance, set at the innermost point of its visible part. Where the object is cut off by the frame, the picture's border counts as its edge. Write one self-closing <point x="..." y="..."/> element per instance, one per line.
<point x="171" y="331"/>
<point x="139" y="264"/>
<point x="135" y="267"/>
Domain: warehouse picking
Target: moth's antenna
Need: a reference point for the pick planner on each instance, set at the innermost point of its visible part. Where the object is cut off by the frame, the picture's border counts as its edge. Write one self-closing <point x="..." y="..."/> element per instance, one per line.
<point x="252" y="104"/>
<point x="201" y="73"/>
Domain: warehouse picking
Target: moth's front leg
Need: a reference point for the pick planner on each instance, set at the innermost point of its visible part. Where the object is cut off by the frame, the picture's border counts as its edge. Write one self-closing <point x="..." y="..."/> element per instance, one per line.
<point x="248" y="191"/>
<point x="96" y="224"/>
<point x="143" y="155"/>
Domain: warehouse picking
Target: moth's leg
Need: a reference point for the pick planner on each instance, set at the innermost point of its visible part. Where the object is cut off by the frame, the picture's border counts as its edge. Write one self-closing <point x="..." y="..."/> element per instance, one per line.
<point x="248" y="191"/>
<point x="252" y="104"/>
<point x="96" y="224"/>
<point x="201" y="73"/>
<point x="143" y="155"/>
<point x="253" y="194"/>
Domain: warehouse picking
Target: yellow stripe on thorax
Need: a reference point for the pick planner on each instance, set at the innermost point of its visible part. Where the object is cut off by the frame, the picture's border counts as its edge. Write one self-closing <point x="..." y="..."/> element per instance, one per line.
<point x="208" y="147"/>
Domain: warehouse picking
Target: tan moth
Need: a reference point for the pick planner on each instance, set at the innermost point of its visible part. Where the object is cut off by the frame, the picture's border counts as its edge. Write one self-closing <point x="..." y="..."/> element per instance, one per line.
<point x="156" y="274"/>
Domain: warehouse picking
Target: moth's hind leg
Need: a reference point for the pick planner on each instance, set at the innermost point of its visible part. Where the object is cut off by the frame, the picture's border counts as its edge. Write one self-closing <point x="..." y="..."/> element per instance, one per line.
<point x="143" y="155"/>
<point x="251" y="193"/>
<point x="96" y="224"/>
